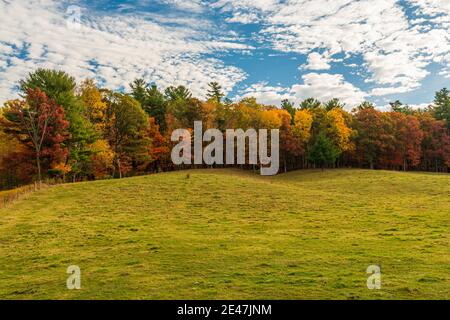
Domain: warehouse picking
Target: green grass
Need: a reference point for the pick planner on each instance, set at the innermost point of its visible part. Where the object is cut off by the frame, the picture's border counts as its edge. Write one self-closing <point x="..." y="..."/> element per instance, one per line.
<point x="227" y="234"/>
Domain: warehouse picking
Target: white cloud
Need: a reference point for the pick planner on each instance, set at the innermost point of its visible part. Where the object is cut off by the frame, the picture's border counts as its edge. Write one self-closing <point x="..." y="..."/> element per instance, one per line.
<point x="393" y="50"/>
<point x="236" y="5"/>
<point x="434" y="8"/>
<point x="265" y="94"/>
<point x="243" y="17"/>
<point x="190" y="5"/>
<point x="323" y="86"/>
<point x="396" y="48"/>
<point x="316" y="61"/>
<point x="244" y="11"/>
<point x="113" y="49"/>
<point x="388" y="91"/>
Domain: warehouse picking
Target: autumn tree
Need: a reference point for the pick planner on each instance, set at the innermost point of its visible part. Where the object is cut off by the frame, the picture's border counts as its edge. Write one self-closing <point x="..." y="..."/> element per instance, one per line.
<point x="94" y="106"/>
<point x="407" y="140"/>
<point x="16" y="161"/>
<point x="435" y="143"/>
<point x="125" y="130"/>
<point x="39" y="123"/>
<point x="160" y="146"/>
<point x="291" y="145"/>
<point x="338" y="129"/>
<point x="61" y="87"/>
<point x="102" y="159"/>
<point x="302" y="130"/>
<point x="375" y="136"/>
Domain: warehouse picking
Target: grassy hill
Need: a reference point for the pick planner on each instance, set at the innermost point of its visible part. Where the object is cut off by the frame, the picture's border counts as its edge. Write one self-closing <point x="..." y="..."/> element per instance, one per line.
<point x="227" y="234"/>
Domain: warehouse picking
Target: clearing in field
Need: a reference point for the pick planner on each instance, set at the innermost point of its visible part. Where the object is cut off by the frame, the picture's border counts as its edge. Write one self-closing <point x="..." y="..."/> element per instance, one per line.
<point x="227" y="234"/>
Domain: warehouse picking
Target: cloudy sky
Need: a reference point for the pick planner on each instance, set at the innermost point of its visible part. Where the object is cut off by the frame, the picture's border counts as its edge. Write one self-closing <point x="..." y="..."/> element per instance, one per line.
<point x="355" y="50"/>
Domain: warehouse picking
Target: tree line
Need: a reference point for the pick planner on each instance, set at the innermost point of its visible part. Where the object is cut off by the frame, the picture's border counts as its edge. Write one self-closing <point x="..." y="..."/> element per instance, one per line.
<point x="60" y="130"/>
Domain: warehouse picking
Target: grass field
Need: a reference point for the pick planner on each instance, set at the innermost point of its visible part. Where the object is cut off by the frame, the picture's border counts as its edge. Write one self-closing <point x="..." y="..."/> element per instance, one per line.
<point x="227" y="234"/>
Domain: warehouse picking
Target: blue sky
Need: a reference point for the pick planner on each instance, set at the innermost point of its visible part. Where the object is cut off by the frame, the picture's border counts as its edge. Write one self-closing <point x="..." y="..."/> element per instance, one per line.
<point x="376" y="50"/>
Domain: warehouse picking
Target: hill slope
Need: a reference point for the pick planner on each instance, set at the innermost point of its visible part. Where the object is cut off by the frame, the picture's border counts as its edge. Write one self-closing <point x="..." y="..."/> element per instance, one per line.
<point x="226" y="234"/>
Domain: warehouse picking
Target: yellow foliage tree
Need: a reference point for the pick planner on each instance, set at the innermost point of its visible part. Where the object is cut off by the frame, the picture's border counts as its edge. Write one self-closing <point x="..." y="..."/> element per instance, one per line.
<point x="95" y="106"/>
<point x="62" y="168"/>
<point x="339" y="130"/>
<point x="303" y="121"/>
<point x="102" y="158"/>
<point x="271" y="119"/>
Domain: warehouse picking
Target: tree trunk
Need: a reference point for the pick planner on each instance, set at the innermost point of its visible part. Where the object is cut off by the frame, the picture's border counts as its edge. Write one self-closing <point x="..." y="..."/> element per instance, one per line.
<point x="118" y="167"/>
<point x="38" y="162"/>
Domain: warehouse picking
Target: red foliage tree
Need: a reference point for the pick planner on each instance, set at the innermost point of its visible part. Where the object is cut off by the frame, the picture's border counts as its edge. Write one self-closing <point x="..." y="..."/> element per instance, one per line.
<point x="39" y="123"/>
<point x="408" y="140"/>
<point x="290" y="144"/>
<point x="375" y="136"/>
<point x="435" y="143"/>
<point x="160" y="149"/>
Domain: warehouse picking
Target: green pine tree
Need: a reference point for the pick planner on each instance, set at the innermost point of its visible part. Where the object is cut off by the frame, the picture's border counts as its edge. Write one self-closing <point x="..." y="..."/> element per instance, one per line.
<point x="323" y="152"/>
<point x="215" y="92"/>
<point x="442" y="106"/>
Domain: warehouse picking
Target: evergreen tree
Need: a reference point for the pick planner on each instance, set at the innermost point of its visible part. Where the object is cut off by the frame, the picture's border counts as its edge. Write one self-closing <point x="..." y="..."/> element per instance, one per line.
<point x="310" y="103"/>
<point x="323" y="152"/>
<point x="139" y="90"/>
<point x="215" y="92"/>
<point x="334" y="104"/>
<point x="397" y="106"/>
<point x="151" y="99"/>
<point x="177" y="93"/>
<point x="441" y="108"/>
<point x="289" y="107"/>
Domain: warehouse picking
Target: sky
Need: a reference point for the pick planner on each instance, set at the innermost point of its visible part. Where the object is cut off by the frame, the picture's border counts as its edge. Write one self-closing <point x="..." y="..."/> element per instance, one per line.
<point x="354" y="50"/>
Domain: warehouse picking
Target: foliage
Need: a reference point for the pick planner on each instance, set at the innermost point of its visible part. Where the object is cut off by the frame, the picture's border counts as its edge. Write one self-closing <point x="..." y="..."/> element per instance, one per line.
<point x="323" y="151"/>
<point x="215" y="93"/>
<point x="334" y="104"/>
<point x="310" y="103"/>
<point x="177" y="93"/>
<point x="441" y="108"/>
<point x="39" y="124"/>
<point x="289" y="107"/>
<point x="116" y="134"/>
<point x="94" y="106"/>
<point x="151" y="99"/>
<point x="125" y="130"/>
<point x="303" y="123"/>
<point x="61" y="87"/>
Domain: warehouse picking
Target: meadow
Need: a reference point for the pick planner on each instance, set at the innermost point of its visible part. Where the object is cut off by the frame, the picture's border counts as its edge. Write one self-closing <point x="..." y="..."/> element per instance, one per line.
<point x="230" y="234"/>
